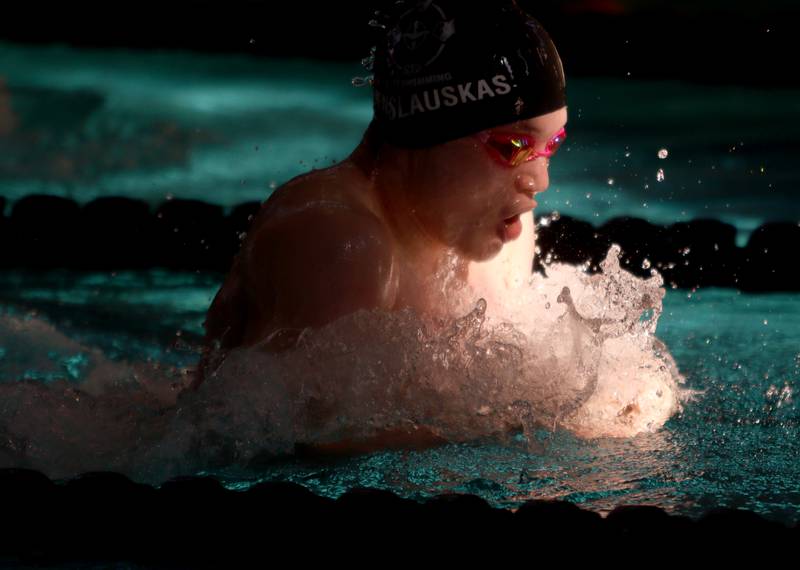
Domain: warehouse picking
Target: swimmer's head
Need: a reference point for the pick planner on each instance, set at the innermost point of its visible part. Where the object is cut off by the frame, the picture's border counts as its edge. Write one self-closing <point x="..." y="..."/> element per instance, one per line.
<point x="444" y="69"/>
<point x="445" y="73"/>
<point x="459" y="193"/>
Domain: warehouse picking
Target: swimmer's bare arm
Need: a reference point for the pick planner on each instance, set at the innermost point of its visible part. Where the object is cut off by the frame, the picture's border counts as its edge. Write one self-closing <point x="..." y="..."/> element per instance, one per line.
<point x="316" y="265"/>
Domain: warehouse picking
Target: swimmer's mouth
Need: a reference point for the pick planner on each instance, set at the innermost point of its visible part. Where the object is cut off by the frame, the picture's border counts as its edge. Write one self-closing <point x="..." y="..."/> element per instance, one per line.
<point x="511" y="219"/>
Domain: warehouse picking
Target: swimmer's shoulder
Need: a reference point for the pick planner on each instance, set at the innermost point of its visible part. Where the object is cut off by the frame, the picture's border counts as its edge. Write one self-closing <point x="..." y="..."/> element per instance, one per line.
<point x="338" y="186"/>
<point x="321" y="253"/>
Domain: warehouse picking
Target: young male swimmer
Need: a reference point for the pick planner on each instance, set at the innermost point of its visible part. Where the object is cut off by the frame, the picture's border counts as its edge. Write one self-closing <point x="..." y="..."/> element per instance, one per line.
<point x="469" y="106"/>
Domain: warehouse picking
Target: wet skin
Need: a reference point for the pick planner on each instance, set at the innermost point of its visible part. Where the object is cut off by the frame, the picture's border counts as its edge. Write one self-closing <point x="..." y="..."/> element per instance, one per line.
<point x="375" y="232"/>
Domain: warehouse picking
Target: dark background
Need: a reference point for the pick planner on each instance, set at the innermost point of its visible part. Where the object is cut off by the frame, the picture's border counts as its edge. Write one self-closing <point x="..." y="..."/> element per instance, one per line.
<point x="713" y="41"/>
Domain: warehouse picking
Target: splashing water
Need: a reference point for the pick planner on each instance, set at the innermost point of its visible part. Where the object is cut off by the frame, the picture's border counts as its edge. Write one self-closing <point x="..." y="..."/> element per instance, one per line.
<point x="568" y="350"/>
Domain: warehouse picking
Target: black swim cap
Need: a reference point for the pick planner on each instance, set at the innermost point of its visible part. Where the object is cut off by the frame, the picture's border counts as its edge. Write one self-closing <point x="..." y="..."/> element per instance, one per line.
<point x="444" y="69"/>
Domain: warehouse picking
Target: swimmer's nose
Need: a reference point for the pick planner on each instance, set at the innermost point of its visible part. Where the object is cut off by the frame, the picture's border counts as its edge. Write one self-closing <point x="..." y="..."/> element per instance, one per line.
<point x="530" y="185"/>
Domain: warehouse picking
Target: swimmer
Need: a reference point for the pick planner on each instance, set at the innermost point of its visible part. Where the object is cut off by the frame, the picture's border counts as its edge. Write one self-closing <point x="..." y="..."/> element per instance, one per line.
<point x="469" y="106"/>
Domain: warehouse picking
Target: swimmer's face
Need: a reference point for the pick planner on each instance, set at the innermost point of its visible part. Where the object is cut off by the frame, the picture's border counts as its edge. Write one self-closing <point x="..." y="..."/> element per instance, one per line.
<point x="464" y="194"/>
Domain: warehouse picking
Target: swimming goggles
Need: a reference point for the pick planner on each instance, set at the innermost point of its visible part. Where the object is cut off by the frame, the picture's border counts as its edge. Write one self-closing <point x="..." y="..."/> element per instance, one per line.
<point x="512" y="149"/>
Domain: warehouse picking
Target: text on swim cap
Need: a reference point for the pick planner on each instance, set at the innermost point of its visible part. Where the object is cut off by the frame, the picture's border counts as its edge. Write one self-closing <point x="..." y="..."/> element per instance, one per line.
<point x="401" y="106"/>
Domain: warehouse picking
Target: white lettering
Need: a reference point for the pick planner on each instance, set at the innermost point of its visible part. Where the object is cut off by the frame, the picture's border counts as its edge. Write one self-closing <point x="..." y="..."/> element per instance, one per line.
<point x="463" y="92"/>
<point x="400" y="113"/>
<point x="416" y="104"/>
<point x="500" y="82"/>
<point x="484" y="89"/>
<point x="398" y="107"/>
<point x="428" y="104"/>
<point x="449" y="95"/>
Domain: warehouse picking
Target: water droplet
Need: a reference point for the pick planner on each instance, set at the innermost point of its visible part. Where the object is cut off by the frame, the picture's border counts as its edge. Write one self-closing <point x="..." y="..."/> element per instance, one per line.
<point x="660" y="175"/>
<point x="610" y="181"/>
<point x="765" y="321"/>
<point x="628" y="154"/>
<point x="272" y="184"/>
<point x="169" y="196"/>
<point x="588" y="194"/>
<point x="555" y="216"/>
<point x="646" y="263"/>
<point x="547" y="305"/>
<point x="663" y="153"/>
